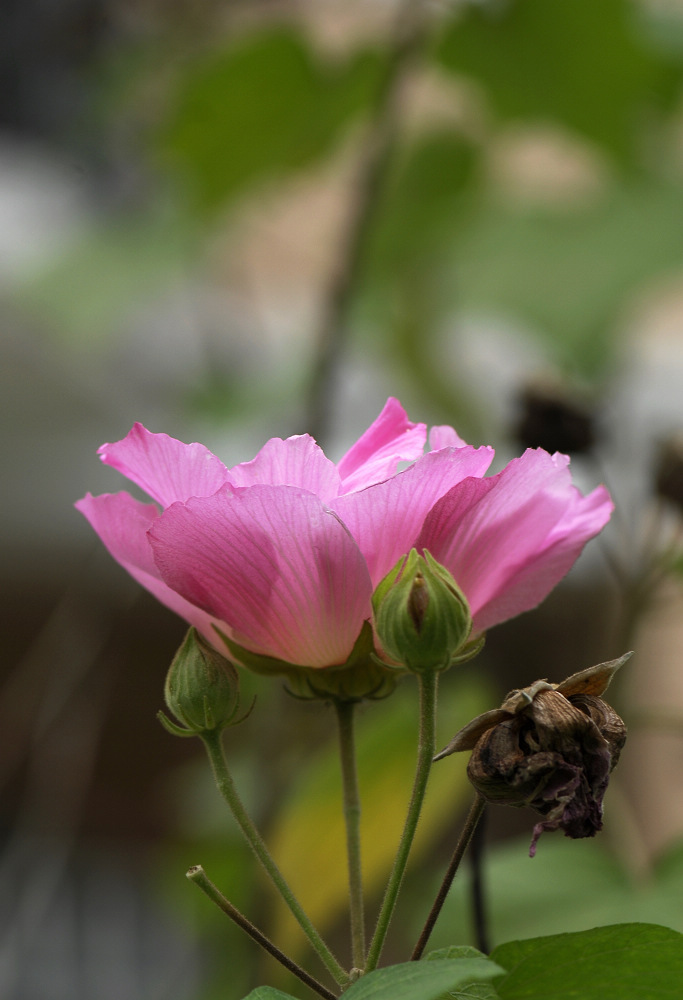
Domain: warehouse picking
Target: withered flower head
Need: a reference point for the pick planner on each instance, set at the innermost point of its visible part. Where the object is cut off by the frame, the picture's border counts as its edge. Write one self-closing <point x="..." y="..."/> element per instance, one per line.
<point x="551" y="747"/>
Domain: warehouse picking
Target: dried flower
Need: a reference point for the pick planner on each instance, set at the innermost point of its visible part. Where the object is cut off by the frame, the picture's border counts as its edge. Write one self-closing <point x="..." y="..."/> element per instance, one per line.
<point x="550" y="747"/>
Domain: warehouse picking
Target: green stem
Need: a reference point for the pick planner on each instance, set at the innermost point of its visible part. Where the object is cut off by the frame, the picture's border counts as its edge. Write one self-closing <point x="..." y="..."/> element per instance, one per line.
<point x="426" y="746"/>
<point x="470" y="826"/>
<point x="226" y="786"/>
<point x="197" y="875"/>
<point x="347" y="754"/>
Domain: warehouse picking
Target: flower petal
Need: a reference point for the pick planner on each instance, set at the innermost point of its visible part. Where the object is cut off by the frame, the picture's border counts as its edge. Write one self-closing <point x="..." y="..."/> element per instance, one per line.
<point x="390" y="439"/>
<point x="273" y="563"/>
<point x="122" y="524"/>
<point x="508" y="540"/>
<point x="443" y="436"/>
<point x="165" y="468"/>
<point x="386" y="519"/>
<point x="298" y="461"/>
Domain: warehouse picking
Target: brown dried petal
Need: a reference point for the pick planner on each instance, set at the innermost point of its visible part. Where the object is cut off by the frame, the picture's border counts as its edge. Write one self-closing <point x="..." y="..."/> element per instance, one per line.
<point x="610" y="725"/>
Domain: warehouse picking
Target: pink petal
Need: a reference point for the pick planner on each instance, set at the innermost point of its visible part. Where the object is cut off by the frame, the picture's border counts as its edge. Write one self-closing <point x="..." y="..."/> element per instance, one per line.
<point x="122" y="524"/>
<point x="508" y="540"/>
<point x="298" y="461"/>
<point x="273" y="563"/>
<point x="166" y="469"/>
<point x="443" y="436"/>
<point x="391" y="439"/>
<point x="386" y="519"/>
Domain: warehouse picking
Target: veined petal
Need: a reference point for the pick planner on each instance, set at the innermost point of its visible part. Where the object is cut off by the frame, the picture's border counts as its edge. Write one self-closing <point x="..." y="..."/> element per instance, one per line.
<point x="297" y="461"/>
<point x="273" y="563"/>
<point x="390" y="439"/>
<point x="443" y="436"/>
<point x="533" y="580"/>
<point x="163" y="467"/>
<point x="509" y="539"/>
<point x="122" y="524"/>
<point x="386" y="519"/>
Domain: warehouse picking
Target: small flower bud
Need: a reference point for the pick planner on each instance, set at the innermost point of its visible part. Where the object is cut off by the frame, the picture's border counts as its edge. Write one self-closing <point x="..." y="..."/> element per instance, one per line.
<point x="422" y="617"/>
<point x="551" y="747"/>
<point x="202" y="688"/>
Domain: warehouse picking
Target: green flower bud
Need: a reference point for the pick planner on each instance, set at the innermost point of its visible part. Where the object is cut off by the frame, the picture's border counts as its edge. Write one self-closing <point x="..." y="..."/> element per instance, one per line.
<point x="202" y="688"/>
<point x="422" y="617"/>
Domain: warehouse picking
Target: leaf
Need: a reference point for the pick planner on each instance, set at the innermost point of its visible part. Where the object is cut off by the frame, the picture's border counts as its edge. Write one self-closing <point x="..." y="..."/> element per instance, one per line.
<point x="586" y="65"/>
<point x="421" y="980"/>
<point x="455" y="951"/>
<point x="625" y="960"/>
<point x="569" y="276"/>
<point x="263" y="105"/>
<point x="268" y="993"/>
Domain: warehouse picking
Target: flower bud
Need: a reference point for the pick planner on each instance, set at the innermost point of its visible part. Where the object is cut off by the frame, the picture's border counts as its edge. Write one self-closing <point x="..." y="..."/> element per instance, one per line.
<point x="422" y="617"/>
<point x="202" y="688"/>
<point x="550" y="747"/>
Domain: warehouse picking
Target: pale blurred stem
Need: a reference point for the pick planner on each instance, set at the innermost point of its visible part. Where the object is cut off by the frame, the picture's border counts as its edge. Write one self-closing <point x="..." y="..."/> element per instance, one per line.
<point x="428" y="690"/>
<point x="378" y="148"/>
<point x="226" y="786"/>
<point x="352" y="811"/>
<point x="197" y="875"/>
<point x="470" y="826"/>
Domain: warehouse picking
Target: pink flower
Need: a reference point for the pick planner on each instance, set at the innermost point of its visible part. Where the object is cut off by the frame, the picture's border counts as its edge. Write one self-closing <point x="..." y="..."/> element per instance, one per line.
<point x="283" y="552"/>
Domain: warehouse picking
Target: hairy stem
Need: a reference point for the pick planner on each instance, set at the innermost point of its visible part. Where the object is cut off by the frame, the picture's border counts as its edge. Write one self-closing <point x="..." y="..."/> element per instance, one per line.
<point x="377" y="154"/>
<point x="428" y="689"/>
<point x="352" y="811"/>
<point x="197" y="875"/>
<point x="226" y="786"/>
<point x="473" y="818"/>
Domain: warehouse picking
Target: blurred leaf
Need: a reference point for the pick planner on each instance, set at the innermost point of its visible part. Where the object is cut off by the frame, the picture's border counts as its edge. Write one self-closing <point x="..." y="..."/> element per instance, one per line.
<point x="592" y="885"/>
<point x="422" y="207"/>
<point x="629" y="960"/>
<point x="308" y="837"/>
<point x="421" y="980"/>
<point x="570" y="275"/>
<point x="264" y="105"/>
<point x="584" y="64"/>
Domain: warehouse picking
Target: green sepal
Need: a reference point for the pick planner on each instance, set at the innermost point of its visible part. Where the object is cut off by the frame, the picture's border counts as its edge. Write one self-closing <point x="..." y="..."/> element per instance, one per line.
<point x="363" y="675"/>
<point x="172" y="728"/>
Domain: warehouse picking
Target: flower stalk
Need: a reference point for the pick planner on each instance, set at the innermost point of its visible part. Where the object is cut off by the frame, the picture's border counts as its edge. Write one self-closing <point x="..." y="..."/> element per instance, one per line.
<point x="428" y="682"/>
<point x="197" y="875"/>
<point x="352" y="813"/>
<point x="226" y="786"/>
<point x="473" y="817"/>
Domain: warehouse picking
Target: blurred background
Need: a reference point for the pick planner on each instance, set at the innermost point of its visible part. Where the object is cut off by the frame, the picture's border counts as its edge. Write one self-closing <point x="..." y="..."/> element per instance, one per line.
<point x="252" y="218"/>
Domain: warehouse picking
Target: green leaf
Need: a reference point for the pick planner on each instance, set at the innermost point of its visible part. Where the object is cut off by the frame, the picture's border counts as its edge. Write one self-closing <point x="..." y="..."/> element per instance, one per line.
<point x="625" y="960"/>
<point x="264" y="105"/>
<point x="268" y="993"/>
<point x="587" y="65"/>
<point x="421" y="980"/>
<point x="472" y="991"/>
<point x="569" y="276"/>
<point x="455" y="951"/>
<point x="595" y="889"/>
